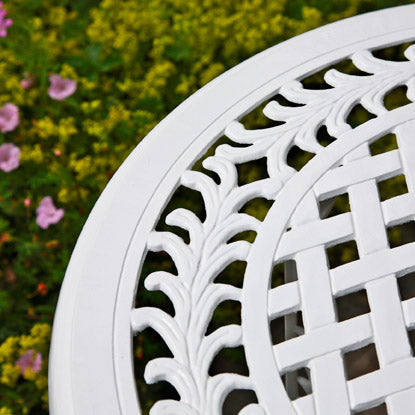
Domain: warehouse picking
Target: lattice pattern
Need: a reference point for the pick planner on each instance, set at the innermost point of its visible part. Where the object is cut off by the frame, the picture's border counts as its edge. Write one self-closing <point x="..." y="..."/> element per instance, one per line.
<point x="324" y="341"/>
<point x="195" y="295"/>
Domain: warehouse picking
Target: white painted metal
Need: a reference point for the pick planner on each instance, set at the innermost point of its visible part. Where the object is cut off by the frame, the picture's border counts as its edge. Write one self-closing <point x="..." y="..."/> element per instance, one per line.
<point x="91" y="368"/>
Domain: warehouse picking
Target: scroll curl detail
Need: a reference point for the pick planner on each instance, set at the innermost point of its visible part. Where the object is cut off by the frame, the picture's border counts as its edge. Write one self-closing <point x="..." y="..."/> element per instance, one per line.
<point x="193" y="292"/>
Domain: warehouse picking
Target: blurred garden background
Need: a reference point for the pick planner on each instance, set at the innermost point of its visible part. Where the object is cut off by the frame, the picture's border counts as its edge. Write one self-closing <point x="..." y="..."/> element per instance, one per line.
<point x="82" y="82"/>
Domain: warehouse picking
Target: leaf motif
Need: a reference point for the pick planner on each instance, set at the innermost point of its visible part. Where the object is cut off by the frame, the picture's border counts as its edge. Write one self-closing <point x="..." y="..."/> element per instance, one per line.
<point x="164" y="324"/>
<point x="305" y="138"/>
<point x="245" y="154"/>
<point x="237" y="132"/>
<point x="207" y="303"/>
<point x="366" y="62"/>
<point x="207" y="187"/>
<point x="226" y="336"/>
<point x="176" y="248"/>
<point x="336" y="79"/>
<point x="336" y="119"/>
<point x="277" y="157"/>
<point x="186" y="219"/>
<point x="231" y="226"/>
<point x="177" y="374"/>
<point x="294" y="91"/>
<point x="266" y="188"/>
<point x="172" y="286"/>
<point x="226" y="172"/>
<point x="327" y="106"/>
<point x="216" y="261"/>
<point x="277" y="112"/>
<point x="219" y="387"/>
<point x="373" y="100"/>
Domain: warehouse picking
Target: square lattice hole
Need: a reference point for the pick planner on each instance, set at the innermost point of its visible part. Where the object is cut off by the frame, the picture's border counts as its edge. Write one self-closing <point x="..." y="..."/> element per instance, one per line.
<point x="352" y="305"/>
<point x="286" y="327"/>
<point x="411" y="336"/>
<point x="401" y="234"/>
<point x="334" y="206"/>
<point x="361" y="361"/>
<point x="282" y="271"/>
<point x="378" y="410"/>
<point x="406" y="285"/>
<point x="342" y="254"/>
<point x="297" y="383"/>
<point x="392" y="187"/>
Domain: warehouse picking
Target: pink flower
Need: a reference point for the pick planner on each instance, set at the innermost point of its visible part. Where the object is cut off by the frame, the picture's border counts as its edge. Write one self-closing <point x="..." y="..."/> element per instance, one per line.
<point x="61" y="88"/>
<point x="47" y="213"/>
<point x="27" y="202"/>
<point x="27" y="81"/>
<point x="4" y="23"/>
<point x="9" y="157"/>
<point x="30" y="360"/>
<point x="9" y="117"/>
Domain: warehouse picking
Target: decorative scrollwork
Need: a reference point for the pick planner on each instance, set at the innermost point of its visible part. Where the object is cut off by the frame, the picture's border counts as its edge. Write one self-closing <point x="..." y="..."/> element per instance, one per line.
<point x="193" y="292"/>
<point x="328" y="107"/>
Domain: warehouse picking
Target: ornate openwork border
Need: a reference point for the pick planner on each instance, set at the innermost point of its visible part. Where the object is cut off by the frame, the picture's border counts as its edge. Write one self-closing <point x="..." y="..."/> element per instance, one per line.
<point x="193" y="293"/>
<point x="108" y="247"/>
